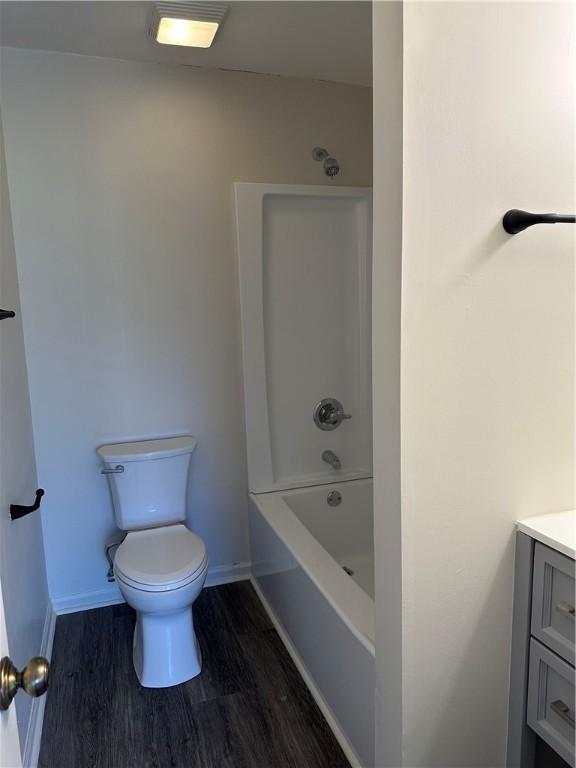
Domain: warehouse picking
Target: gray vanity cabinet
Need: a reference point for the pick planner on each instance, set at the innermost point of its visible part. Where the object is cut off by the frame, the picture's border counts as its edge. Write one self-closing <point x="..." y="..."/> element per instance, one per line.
<point x="542" y="680"/>
<point x="553" y="601"/>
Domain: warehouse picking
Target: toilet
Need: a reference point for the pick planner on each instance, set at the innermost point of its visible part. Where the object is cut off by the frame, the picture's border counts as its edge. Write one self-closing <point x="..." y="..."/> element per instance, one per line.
<point x="161" y="565"/>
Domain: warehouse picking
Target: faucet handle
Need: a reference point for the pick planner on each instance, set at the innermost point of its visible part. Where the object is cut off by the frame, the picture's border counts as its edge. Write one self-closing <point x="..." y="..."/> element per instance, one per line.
<point x="329" y="414"/>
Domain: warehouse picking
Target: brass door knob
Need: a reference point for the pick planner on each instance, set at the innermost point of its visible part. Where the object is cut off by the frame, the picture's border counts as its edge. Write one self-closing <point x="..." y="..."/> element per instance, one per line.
<point x="33" y="679"/>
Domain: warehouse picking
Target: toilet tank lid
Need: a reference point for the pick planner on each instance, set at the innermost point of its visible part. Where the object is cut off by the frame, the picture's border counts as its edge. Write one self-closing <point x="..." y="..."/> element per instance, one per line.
<point x="147" y="450"/>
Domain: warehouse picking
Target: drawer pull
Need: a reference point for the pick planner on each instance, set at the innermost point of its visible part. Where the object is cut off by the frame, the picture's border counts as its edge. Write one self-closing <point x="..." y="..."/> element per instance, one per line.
<point x="563" y="711"/>
<point x="566" y="610"/>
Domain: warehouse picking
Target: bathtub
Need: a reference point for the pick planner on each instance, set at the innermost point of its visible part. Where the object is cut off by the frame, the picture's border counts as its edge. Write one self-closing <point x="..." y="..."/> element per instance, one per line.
<point x="300" y="548"/>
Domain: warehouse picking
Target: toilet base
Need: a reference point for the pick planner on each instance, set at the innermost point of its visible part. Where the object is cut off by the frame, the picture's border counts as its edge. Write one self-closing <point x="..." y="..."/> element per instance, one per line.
<point x="165" y="649"/>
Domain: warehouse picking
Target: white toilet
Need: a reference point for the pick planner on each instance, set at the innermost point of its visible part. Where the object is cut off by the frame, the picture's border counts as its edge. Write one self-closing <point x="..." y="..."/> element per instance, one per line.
<point x="161" y="566"/>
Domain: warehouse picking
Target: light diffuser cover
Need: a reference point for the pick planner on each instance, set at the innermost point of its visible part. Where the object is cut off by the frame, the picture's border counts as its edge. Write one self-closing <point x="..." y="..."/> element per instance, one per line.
<point x="188" y="24"/>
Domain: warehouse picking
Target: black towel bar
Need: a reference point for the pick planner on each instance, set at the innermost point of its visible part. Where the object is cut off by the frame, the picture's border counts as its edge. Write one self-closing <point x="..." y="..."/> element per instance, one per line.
<point x="515" y="221"/>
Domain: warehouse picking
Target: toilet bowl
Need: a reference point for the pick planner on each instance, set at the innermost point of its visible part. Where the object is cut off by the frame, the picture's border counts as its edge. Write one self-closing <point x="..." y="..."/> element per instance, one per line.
<point x="161" y="565"/>
<point x="160" y="573"/>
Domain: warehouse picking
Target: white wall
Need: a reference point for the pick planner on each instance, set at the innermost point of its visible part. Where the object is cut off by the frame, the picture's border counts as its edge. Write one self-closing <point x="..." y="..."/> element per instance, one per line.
<point x="487" y="351"/>
<point x="22" y="566"/>
<point x="387" y="258"/>
<point x="121" y="181"/>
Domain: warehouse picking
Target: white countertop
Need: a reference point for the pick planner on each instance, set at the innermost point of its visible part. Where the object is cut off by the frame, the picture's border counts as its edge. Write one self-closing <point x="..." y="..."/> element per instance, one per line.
<point x="556" y="530"/>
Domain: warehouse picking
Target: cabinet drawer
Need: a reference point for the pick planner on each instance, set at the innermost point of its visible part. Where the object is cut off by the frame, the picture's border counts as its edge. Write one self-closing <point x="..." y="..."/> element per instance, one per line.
<point x="551" y="700"/>
<point x="553" y="601"/>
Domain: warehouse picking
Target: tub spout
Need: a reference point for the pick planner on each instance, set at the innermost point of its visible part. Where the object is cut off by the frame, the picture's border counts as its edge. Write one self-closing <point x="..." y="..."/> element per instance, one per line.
<point x="330" y="458"/>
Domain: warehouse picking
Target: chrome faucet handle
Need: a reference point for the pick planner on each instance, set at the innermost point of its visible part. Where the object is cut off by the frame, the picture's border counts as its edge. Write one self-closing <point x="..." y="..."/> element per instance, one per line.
<point x="329" y="414"/>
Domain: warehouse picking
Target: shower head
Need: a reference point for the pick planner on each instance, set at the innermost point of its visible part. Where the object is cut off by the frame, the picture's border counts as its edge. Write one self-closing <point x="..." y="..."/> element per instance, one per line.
<point x="331" y="165"/>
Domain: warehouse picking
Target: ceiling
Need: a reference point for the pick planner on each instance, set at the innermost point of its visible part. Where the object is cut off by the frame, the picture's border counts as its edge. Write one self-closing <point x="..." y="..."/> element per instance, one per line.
<point x="325" y="39"/>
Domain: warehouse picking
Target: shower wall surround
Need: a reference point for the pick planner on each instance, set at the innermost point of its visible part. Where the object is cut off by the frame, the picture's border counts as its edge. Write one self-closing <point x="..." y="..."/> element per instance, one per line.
<point x="305" y="283"/>
<point x="121" y="176"/>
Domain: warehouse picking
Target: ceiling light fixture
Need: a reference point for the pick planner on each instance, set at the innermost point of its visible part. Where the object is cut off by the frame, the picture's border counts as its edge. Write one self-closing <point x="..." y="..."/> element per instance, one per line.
<point x="190" y="24"/>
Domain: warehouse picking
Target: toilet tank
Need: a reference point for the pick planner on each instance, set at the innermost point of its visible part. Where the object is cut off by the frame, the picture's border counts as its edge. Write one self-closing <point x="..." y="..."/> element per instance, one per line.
<point x="148" y="480"/>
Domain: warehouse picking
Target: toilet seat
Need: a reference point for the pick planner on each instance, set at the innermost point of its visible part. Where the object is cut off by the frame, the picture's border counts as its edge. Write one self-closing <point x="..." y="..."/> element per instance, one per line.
<point x="160" y="559"/>
<point x="154" y="588"/>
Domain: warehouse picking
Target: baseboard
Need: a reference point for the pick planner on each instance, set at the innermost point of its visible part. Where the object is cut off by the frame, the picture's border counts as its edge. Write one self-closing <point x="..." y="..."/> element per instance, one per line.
<point x="34" y="735"/>
<point x="310" y="684"/>
<point x="84" y="601"/>
<point x="110" y="595"/>
<point x="225" y="574"/>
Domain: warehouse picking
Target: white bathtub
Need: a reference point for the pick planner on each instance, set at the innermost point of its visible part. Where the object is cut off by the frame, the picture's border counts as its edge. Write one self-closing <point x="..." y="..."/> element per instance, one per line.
<point x="300" y="546"/>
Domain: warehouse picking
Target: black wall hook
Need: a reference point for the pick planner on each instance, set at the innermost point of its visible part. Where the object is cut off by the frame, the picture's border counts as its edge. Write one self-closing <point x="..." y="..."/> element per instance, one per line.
<point x="515" y="221"/>
<point x="17" y="510"/>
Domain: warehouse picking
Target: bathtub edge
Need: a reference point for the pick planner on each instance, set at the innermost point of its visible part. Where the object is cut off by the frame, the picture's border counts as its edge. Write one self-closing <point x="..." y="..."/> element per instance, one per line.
<point x="324" y="707"/>
<point x="366" y="639"/>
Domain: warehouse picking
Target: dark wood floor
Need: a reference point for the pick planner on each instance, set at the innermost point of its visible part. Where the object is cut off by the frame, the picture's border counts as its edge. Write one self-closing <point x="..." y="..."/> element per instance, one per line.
<point x="248" y="709"/>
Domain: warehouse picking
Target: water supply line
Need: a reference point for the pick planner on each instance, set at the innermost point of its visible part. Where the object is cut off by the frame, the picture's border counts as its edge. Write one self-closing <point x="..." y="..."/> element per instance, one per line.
<point x="112" y="545"/>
